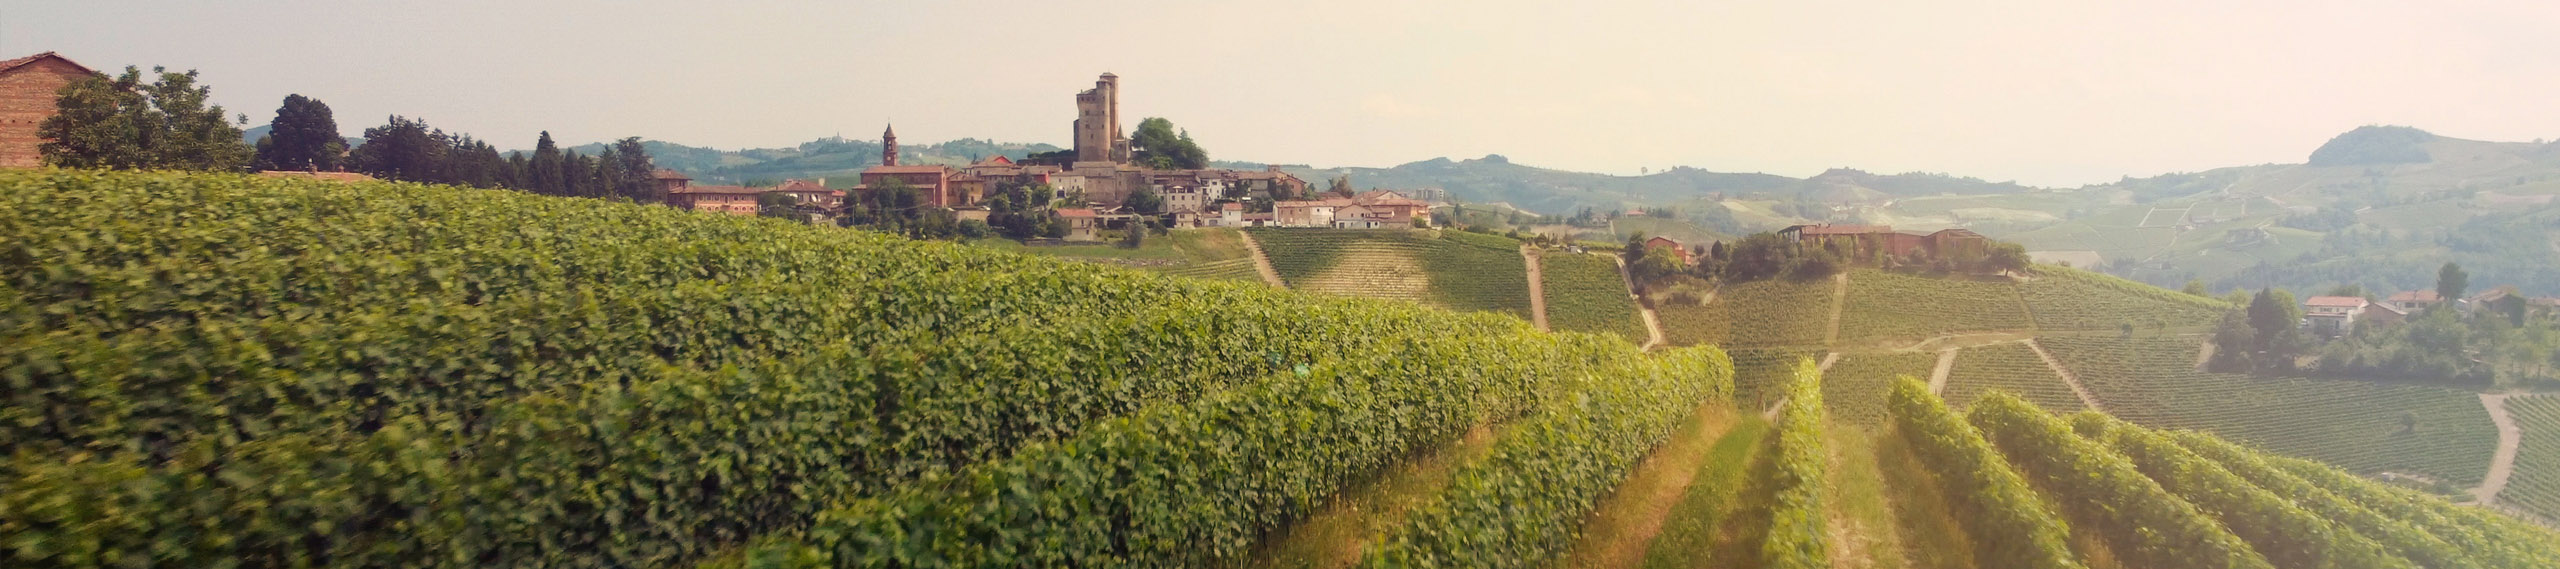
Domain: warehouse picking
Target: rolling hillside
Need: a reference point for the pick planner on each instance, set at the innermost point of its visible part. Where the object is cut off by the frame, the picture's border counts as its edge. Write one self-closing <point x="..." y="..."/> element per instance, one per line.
<point x="220" y="369"/>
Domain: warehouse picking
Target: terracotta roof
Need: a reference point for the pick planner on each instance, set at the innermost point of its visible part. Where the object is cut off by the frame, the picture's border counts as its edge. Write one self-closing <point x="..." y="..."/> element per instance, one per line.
<point x="800" y="186"/>
<point x="1075" y="213"/>
<point x="996" y="160"/>
<point x="1842" y="229"/>
<point x="2336" y="301"/>
<point x="2415" y="296"/>
<point x="665" y="174"/>
<point x="1231" y="206"/>
<point x="1958" y="232"/>
<point x="906" y="170"/>
<point x="717" y="190"/>
<point x="5" y="66"/>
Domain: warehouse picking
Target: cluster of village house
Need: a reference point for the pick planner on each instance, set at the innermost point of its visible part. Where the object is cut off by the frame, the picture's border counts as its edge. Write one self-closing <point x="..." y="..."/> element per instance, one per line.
<point x="1101" y="172"/>
<point x="2339" y="315"/>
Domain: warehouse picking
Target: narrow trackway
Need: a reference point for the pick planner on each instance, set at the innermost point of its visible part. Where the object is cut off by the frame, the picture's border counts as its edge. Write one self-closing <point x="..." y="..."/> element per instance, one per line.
<point x="1537" y="287"/>
<point x="1946" y="366"/>
<point x="2204" y="355"/>
<point x="2068" y="378"/>
<point x="1652" y="323"/>
<point x="2503" y="464"/>
<point x="1619" y="531"/>
<point x="1261" y="262"/>
<point x="1827" y="360"/>
<point x="1839" y="302"/>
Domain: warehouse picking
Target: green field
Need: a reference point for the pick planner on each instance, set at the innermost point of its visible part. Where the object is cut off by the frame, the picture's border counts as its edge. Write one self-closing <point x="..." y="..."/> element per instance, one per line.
<point x="2010" y="367"/>
<point x="1450" y="269"/>
<point x="2365" y="427"/>
<point x="1586" y="294"/>
<point x="1208" y="253"/>
<point x="2072" y="299"/>
<point x="2535" y="486"/>
<point x="1773" y="312"/>
<point x="1884" y="305"/>
<point x="1854" y="388"/>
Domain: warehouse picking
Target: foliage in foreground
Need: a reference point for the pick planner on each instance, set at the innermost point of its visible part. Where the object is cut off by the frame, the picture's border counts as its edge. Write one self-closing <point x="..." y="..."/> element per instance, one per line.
<point x="1525" y="502"/>
<point x="2289" y="535"/>
<point x="1798" y="536"/>
<point x="2142" y="523"/>
<point x="2011" y="525"/>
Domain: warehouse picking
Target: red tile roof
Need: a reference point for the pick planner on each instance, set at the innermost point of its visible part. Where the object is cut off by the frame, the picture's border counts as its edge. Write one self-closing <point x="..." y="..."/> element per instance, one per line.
<point x="5" y="66"/>
<point x="665" y="174"/>
<point x="717" y="190"/>
<point x="2415" y="296"/>
<point x="1844" y="229"/>
<point x="2336" y="301"/>
<point x="1075" y="213"/>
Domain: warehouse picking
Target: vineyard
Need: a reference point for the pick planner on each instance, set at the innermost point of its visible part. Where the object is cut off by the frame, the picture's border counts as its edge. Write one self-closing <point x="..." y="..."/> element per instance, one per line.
<point x="1450" y="269"/>
<point x="2064" y="298"/>
<point x="1586" y="294"/>
<point x="1854" y="389"/>
<point x="2012" y="367"/>
<point x="1886" y="305"/>
<point x="1752" y="314"/>
<point x="198" y="361"/>
<point x="219" y="370"/>
<point x="2366" y="427"/>
<point x="2535" y="486"/>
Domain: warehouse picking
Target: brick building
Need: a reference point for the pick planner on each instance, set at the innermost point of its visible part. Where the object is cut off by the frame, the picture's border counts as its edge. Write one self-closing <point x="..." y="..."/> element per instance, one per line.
<point x="28" y="88"/>
<point x="941" y="186"/>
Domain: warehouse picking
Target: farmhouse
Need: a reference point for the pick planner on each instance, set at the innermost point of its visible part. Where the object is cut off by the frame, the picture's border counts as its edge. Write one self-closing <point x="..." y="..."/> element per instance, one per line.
<point x="1668" y="244"/>
<point x="2411" y="301"/>
<point x="1081" y="224"/>
<point x="28" y="87"/>
<point x="2333" y="315"/>
<point x="1875" y="239"/>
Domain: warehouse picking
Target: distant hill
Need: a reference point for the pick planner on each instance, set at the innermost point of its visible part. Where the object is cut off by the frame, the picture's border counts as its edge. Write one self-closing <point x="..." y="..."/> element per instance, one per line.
<point x="838" y="159"/>
<point x="1494" y="178"/>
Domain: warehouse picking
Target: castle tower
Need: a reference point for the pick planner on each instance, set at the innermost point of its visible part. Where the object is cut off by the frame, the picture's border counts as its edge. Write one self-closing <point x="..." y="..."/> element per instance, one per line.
<point x="1098" y="137"/>
<point x="889" y="146"/>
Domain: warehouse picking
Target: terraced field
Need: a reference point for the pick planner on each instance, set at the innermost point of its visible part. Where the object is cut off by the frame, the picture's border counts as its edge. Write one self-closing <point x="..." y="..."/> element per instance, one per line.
<point x="2535" y="486"/>
<point x="2064" y="298"/>
<point x="1854" y="388"/>
<point x="1775" y="312"/>
<point x="2011" y="367"/>
<point x="1450" y="269"/>
<point x="1885" y="305"/>
<point x="1585" y="294"/>
<point x="2365" y="427"/>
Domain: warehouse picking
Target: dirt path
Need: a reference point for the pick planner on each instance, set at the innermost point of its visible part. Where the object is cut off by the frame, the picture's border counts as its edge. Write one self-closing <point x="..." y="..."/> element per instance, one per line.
<point x="1617" y="533"/>
<point x="2204" y="355"/>
<point x="1827" y="360"/>
<point x="1537" y="287"/>
<point x="2068" y="378"/>
<point x="1262" y="262"/>
<point x="1839" y="302"/>
<point x="1652" y="323"/>
<point x="2503" y="464"/>
<point x="1946" y="366"/>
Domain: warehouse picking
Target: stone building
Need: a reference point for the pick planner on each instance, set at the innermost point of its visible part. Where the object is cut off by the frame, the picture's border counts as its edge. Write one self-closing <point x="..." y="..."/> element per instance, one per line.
<point x="28" y="89"/>
<point x="1098" y="137"/>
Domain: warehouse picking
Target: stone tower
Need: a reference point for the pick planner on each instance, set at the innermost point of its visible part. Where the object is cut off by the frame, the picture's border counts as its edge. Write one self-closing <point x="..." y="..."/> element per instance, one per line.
<point x="889" y="146"/>
<point x="1098" y="137"/>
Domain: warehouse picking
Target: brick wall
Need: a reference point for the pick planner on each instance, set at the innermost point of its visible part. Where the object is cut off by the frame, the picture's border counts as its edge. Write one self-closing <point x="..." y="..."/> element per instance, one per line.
<point x="26" y="99"/>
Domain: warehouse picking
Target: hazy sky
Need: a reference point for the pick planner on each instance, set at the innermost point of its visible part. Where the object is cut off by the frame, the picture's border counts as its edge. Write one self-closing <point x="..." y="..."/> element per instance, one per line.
<point x="2040" y="91"/>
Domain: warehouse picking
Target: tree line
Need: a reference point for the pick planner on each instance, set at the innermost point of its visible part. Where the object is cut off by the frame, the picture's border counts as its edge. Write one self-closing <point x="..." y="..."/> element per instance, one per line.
<point x="165" y="121"/>
<point x="2500" y="341"/>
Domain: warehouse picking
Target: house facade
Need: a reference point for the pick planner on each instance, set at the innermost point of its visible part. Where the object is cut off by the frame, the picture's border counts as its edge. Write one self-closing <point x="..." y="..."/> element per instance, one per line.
<point x="1082" y="224"/>
<point x="733" y="200"/>
<point x="2333" y="315"/>
<point x="29" y="87"/>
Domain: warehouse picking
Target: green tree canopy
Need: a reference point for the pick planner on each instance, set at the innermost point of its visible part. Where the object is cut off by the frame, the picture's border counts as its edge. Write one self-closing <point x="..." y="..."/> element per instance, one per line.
<point x="1158" y="145"/>
<point x="304" y="136"/>
<point x="2450" y="282"/>
<point x="122" y="123"/>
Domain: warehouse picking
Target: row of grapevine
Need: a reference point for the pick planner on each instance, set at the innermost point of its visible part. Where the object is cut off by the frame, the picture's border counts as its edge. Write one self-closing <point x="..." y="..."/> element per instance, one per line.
<point x="2364" y="426"/>
<point x="1887" y="305"/>
<point x="1197" y="484"/>
<point x="1230" y="269"/>
<point x="2064" y="298"/>
<point x="1854" y="389"/>
<point x="2398" y="536"/>
<point x="2495" y="540"/>
<point x="2288" y="535"/>
<point x="225" y="369"/>
<point x="1584" y="293"/>
<point x="1775" y="312"/>
<point x="1798" y="531"/>
<point x="2011" y="525"/>
<point x="2012" y="367"/>
<point x="2141" y="522"/>
<point x="1761" y="377"/>
<point x="1524" y="502"/>
<point x="2535" y="484"/>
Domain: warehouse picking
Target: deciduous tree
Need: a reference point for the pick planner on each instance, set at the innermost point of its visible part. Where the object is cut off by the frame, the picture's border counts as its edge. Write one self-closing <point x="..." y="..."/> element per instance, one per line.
<point x="304" y="136"/>
<point x="123" y="123"/>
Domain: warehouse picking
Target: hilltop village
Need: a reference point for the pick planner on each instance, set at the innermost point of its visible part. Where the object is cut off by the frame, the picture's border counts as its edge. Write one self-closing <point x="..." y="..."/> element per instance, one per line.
<point x="1097" y="187"/>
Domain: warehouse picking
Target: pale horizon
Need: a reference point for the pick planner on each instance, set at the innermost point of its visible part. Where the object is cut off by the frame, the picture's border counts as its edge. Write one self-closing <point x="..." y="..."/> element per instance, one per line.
<point x="2042" y="94"/>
